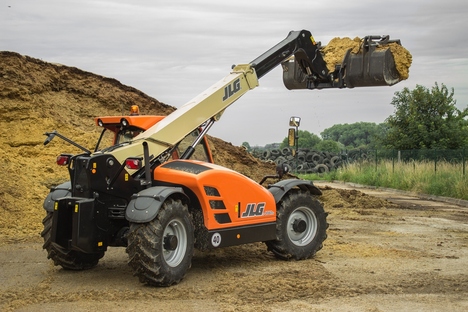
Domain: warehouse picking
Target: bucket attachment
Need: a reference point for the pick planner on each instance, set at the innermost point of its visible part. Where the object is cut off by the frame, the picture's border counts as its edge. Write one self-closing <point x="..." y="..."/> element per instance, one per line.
<point x="293" y="76"/>
<point x="372" y="66"/>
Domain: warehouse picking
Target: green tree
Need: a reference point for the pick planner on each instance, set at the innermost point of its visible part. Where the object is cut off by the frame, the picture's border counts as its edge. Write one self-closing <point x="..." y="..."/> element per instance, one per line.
<point x="306" y="140"/>
<point x="352" y="135"/>
<point x="328" y="146"/>
<point x="426" y="119"/>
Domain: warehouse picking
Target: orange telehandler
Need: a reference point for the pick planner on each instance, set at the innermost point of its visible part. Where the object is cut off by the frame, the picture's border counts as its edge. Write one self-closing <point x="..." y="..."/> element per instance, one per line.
<point x="145" y="192"/>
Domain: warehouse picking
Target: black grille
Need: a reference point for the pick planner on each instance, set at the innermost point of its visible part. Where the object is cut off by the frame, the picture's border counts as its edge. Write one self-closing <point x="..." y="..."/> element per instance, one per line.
<point x="116" y="212"/>
<point x="223" y="218"/>
<point x="217" y="204"/>
<point x="211" y="191"/>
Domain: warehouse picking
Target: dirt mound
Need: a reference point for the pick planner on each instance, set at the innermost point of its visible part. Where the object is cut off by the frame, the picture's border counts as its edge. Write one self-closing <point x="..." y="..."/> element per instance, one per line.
<point x="341" y="198"/>
<point x="335" y="50"/>
<point x="37" y="97"/>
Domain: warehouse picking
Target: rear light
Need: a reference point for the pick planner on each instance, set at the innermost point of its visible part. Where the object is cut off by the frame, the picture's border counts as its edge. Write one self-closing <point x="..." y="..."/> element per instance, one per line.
<point x="64" y="159"/>
<point x="133" y="163"/>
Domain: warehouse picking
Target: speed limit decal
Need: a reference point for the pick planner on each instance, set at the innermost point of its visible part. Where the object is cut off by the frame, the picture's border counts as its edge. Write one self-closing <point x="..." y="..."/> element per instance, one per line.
<point x="216" y="239"/>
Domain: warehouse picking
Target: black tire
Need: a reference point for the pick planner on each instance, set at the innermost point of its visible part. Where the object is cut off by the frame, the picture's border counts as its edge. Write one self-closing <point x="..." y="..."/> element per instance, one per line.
<point x="301" y="227"/>
<point x="335" y="160"/>
<point x="266" y="154"/>
<point x="280" y="160"/>
<point x="321" y="168"/>
<point x="328" y="164"/>
<point x="286" y="151"/>
<point x="160" y="251"/>
<point x="275" y="152"/>
<point x="67" y="259"/>
<point x="317" y="158"/>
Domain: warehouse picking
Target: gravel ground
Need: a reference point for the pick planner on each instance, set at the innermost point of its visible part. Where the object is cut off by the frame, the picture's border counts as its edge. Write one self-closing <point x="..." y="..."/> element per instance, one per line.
<point x="386" y="251"/>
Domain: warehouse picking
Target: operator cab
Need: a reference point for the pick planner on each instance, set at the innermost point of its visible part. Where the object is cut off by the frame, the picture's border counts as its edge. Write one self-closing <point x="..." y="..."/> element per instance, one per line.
<point x="119" y="130"/>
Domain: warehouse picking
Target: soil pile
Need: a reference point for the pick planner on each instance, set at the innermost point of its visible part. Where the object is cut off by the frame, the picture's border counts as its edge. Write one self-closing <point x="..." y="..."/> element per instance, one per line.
<point x="341" y="199"/>
<point x="336" y="49"/>
<point x="37" y="97"/>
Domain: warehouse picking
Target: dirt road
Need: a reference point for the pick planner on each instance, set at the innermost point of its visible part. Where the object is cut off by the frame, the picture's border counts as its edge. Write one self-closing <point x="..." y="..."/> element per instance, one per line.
<point x="409" y="256"/>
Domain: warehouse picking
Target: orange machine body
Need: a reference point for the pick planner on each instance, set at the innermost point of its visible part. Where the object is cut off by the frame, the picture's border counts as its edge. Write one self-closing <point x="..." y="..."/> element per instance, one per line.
<point x="227" y="198"/>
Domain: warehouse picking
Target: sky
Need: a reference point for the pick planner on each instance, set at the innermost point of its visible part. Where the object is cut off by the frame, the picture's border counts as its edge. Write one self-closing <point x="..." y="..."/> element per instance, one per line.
<point x="175" y="50"/>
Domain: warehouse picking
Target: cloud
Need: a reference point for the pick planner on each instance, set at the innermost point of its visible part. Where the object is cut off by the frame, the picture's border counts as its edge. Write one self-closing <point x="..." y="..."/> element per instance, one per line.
<point x="175" y="50"/>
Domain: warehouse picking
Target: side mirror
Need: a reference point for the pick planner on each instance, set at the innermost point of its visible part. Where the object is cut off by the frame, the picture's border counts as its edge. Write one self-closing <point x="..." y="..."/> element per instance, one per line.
<point x="294" y="121"/>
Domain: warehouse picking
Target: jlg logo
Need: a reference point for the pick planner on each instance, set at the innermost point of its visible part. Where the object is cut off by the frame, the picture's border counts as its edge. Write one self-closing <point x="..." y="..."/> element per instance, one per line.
<point x="253" y="210"/>
<point x="229" y="90"/>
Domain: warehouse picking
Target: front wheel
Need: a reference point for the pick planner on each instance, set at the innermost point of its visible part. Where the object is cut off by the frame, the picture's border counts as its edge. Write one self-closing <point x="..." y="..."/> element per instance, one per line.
<point x="160" y="251"/>
<point x="301" y="225"/>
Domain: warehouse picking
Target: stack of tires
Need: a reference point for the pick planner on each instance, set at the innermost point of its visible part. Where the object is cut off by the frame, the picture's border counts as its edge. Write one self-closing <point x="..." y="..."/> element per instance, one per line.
<point x="307" y="161"/>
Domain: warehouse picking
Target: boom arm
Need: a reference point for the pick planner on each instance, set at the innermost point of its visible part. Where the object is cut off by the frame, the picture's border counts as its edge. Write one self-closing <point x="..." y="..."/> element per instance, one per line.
<point x="210" y="104"/>
<point x="302" y="45"/>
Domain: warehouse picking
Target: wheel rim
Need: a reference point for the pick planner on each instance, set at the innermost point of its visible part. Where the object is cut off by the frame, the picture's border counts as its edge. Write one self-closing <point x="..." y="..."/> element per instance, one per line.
<point x="174" y="255"/>
<point x="302" y="226"/>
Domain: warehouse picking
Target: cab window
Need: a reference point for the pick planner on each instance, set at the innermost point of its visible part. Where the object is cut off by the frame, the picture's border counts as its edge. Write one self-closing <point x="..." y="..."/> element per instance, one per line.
<point x="127" y="134"/>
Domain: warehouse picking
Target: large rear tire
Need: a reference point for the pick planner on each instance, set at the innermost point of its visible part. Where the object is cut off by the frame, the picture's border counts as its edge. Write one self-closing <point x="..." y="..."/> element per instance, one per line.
<point x="67" y="259"/>
<point x="160" y="251"/>
<point x="301" y="227"/>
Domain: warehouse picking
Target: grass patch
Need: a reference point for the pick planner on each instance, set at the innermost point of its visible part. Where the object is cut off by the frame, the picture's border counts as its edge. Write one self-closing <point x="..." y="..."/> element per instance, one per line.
<point x="441" y="178"/>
